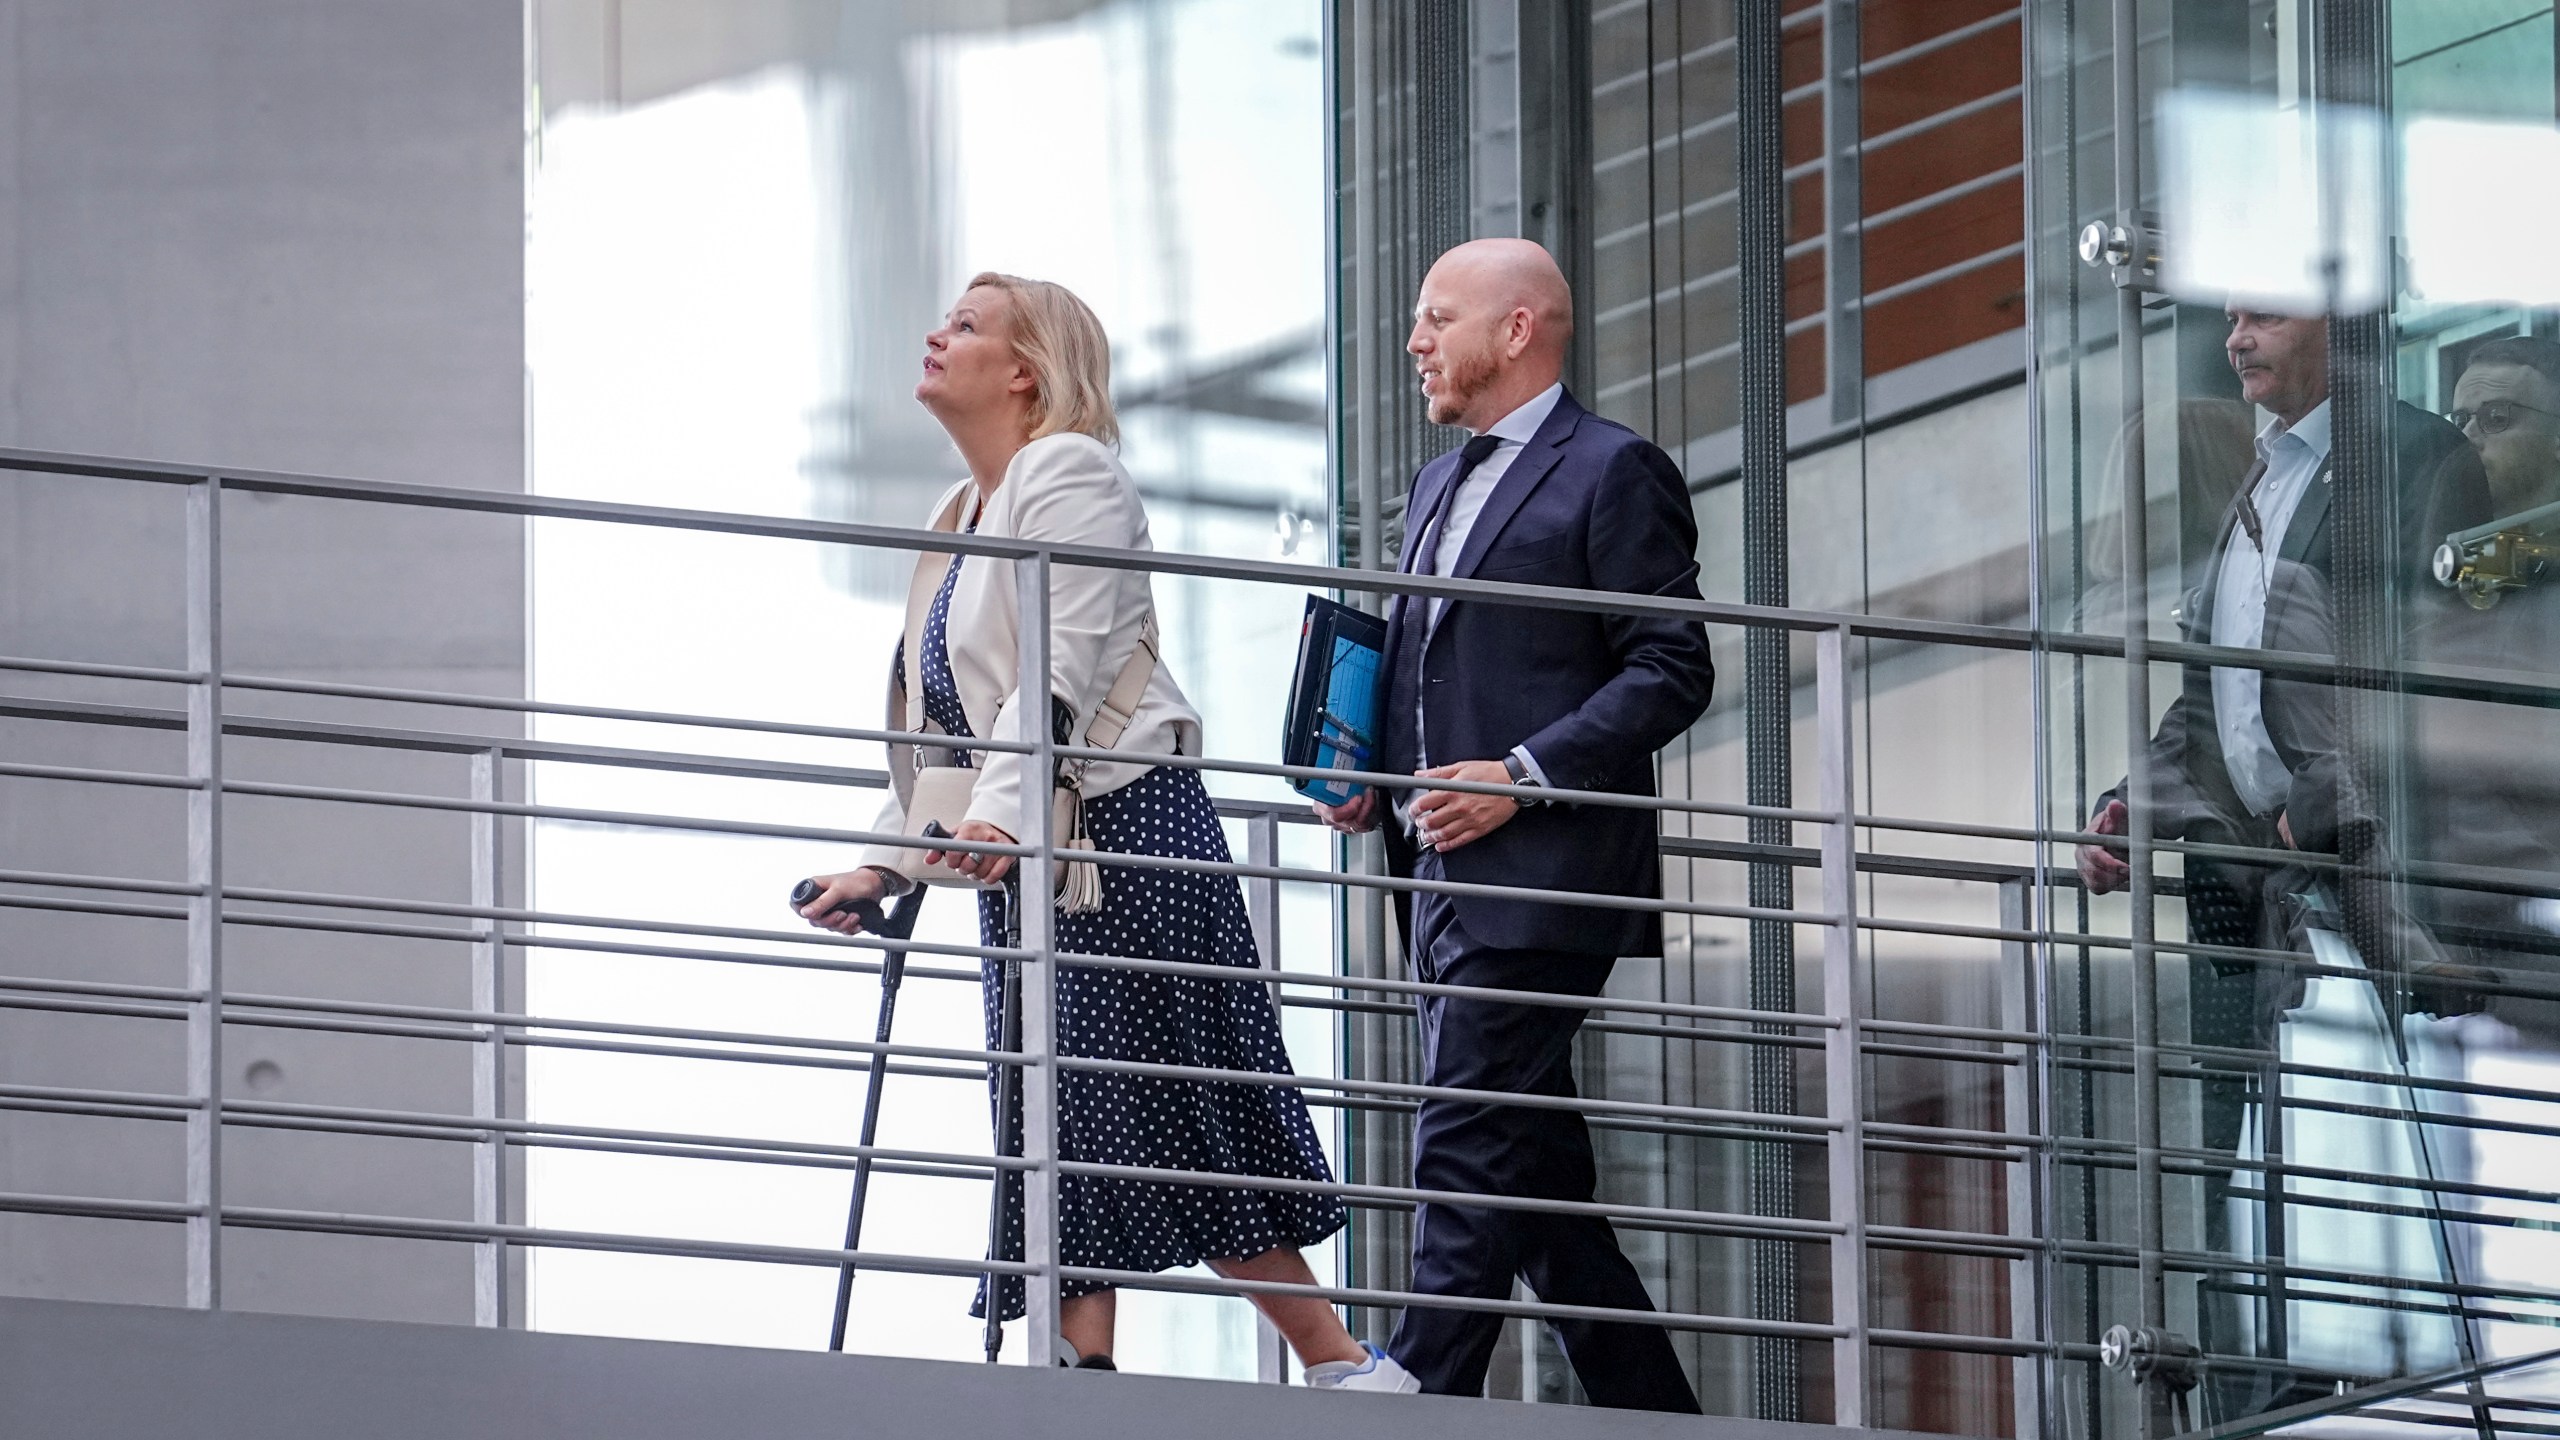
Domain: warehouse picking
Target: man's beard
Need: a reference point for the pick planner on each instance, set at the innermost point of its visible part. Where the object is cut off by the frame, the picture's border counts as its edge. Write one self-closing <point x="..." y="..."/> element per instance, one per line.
<point x="1460" y="383"/>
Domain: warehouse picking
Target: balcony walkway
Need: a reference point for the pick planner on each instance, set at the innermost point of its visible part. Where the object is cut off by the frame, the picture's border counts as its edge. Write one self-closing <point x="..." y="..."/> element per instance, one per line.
<point x="71" y="1371"/>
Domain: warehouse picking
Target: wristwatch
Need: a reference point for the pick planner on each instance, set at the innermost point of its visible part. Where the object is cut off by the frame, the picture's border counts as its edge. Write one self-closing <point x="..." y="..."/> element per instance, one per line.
<point x="1520" y="775"/>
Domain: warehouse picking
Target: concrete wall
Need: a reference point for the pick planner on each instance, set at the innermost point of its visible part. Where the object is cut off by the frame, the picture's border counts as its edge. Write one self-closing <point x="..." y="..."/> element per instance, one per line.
<point x="278" y="234"/>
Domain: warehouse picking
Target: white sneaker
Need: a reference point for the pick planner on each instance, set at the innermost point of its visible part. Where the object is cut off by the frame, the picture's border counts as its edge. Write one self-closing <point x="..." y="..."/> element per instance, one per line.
<point x="1379" y="1372"/>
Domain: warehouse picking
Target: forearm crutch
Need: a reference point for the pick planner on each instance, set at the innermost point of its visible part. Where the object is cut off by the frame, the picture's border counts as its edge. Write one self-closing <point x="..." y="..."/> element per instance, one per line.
<point x="898" y="925"/>
<point x="1008" y="1086"/>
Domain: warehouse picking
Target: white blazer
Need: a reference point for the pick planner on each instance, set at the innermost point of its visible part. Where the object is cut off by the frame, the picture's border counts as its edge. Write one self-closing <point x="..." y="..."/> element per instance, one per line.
<point x="1069" y="488"/>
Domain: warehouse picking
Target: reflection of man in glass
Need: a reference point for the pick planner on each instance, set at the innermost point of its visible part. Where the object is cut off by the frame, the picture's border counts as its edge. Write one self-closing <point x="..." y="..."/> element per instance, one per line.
<point x="2507" y="403"/>
<point x="2229" y="764"/>
<point x="2216" y="772"/>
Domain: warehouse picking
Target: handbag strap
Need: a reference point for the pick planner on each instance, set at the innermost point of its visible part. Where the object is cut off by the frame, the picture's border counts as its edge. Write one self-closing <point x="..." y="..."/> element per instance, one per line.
<point x="931" y="567"/>
<point x="1112" y="717"/>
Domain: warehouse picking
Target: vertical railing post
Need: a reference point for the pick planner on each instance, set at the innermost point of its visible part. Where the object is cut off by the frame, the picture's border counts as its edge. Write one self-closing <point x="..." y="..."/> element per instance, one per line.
<point x="1262" y="909"/>
<point x="489" y="1298"/>
<point x="2151" y="1278"/>
<point x="1262" y="893"/>
<point x="2022" y="1113"/>
<point x="204" y="907"/>
<point x="1844" y="1088"/>
<point x="1038" y="909"/>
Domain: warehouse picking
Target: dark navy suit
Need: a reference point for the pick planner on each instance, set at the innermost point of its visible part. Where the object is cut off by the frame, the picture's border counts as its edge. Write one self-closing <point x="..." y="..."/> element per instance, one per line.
<point x="1590" y="504"/>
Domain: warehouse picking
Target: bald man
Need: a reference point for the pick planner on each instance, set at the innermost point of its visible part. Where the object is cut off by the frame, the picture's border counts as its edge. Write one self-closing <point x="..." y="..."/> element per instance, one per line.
<point x="1544" y="493"/>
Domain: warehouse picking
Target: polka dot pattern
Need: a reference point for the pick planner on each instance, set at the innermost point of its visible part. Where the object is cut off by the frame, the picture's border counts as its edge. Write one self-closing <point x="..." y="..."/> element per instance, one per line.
<point x="1160" y="1019"/>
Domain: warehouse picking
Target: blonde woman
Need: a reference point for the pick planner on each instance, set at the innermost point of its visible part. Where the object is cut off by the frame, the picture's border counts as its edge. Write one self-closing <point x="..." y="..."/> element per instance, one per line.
<point x="1019" y="374"/>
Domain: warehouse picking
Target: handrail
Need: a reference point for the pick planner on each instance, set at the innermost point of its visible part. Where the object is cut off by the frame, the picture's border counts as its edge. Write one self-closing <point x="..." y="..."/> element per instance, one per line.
<point x="2022" y="1045"/>
<point x="2450" y="681"/>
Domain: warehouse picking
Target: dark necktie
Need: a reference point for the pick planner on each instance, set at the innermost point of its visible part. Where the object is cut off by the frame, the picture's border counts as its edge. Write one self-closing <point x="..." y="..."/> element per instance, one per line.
<point x="1413" y="622"/>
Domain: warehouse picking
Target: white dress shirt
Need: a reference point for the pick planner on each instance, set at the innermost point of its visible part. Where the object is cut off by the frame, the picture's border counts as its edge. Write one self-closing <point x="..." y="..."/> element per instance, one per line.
<point x="2292" y="457"/>
<point x="1515" y="431"/>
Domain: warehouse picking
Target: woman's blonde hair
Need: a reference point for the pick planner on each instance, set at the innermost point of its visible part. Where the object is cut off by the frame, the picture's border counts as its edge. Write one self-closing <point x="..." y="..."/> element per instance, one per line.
<point x="1058" y="336"/>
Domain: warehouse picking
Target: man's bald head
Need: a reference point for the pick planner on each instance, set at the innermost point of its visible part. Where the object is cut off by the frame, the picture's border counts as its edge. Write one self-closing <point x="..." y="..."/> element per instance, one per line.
<point x="1489" y="330"/>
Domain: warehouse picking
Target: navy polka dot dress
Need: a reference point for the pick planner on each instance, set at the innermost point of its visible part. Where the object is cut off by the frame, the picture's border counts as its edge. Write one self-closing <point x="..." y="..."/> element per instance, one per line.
<point x="1117" y="1224"/>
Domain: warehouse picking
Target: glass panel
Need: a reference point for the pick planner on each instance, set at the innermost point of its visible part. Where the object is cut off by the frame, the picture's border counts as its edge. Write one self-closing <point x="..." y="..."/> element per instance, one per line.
<point x="2324" y="256"/>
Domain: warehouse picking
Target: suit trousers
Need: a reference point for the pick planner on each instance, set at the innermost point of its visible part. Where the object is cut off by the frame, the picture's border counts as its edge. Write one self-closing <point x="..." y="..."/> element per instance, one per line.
<point x="1465" y="1250"/>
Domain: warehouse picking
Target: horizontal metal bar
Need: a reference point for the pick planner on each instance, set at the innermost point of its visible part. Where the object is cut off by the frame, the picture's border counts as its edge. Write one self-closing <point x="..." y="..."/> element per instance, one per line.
<point x="1944" y="39"/>
<point x="1510" y="1099"/>
<point x="123" y="883"/>
<point x="747" y="1150"/>
<point x="1940" y="119"/>
<point x="1517" y="1309"/>
<point x="1318" y="577"/>
<point x="38" y="666"/>
<point x="1815" y="244"/>
<point x="1293" y="978"/>
<point x="399" y="1227"/>
<point x="31" y="1203"/>
<point x="92" y="775"/>
<point x="1803" y="323"/>
<point x="2192" y="1262"/>
<point x="689" y="762"/>
<point x="1274" y="572"/>
<point x="1219" y="1180"/>
<point x="720" y="1045"/>
<point x="1942" y="274"/>
<point x="704" y="824"/>
<point x="2311" y="1199"/>
<point x="469" y="1127"/>
<point x="294" y="1020"/>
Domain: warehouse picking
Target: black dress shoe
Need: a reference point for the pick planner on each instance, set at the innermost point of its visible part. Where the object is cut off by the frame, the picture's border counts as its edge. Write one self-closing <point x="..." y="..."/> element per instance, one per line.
<point x="1096" y="1362"/>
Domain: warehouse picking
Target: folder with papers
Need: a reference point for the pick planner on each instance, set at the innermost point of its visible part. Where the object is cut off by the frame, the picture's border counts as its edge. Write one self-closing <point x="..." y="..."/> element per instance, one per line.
<point x="1333" y="702"/>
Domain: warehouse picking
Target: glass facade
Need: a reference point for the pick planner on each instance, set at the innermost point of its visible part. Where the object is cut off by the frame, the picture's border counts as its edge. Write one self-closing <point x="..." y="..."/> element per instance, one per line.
<point x="2288" y="1102"/>
<point x="2312" y="229"/>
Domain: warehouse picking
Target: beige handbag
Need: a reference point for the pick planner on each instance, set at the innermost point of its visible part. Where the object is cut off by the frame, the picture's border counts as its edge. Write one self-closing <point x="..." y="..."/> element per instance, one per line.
<point x="940" y="792"/>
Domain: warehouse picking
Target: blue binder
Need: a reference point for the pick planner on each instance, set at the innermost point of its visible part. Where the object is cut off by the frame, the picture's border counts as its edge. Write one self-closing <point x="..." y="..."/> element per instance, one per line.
<point x="1334" y="700"/>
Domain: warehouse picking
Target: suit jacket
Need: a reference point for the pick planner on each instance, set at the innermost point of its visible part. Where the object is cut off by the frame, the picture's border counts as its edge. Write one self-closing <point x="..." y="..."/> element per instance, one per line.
<point x="1065" y="487"/>
<point x="1587" y="503"/>
<point x="2437" y="487"/>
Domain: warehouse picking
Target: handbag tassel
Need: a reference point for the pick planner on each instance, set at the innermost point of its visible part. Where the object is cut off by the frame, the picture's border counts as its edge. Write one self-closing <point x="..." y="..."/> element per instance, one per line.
<point x="1079" y="881"/>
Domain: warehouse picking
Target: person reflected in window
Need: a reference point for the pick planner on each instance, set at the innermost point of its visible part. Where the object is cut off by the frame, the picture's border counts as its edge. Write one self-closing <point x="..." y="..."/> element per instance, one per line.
<point x="2488" y="771"/>
<point x="1019" y="374"/>
<point x="2235" y="760"/>
<point x="2487" y="782"/>
<point x="2215" y="773"/>
<point x="2507" y="403"/>
<point x="1544" y="493"/>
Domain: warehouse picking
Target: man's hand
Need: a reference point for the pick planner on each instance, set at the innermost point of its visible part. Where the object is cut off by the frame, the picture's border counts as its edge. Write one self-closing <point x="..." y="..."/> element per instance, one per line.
<point x="2284" y="829"/>
<point x="1446" y="819"/>
<point x="1355" y="816"/>
<point x="2103" y="868"/>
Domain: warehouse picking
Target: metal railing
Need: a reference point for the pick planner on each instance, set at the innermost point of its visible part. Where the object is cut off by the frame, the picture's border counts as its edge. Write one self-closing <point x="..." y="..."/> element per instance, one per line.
<point x="2026" y="1045"/>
